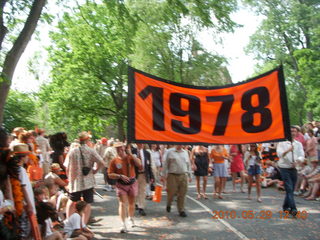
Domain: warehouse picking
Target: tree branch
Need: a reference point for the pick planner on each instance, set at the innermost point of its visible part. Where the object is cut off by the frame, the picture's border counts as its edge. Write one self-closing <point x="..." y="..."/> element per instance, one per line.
<point x="3" y="29"/>
<point x="21" y="42"/>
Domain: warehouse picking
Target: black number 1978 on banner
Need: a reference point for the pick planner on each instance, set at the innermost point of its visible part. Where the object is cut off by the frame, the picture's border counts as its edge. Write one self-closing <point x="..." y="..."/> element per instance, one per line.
<point x="161" y="111"/>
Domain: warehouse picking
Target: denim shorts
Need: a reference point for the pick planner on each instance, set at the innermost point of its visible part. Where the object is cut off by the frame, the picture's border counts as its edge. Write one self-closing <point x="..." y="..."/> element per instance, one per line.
<point x="254" y="170"/>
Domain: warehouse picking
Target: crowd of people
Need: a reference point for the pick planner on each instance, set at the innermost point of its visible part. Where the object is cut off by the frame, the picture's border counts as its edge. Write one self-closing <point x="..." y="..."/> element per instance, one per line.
<point x="47" y="185"/>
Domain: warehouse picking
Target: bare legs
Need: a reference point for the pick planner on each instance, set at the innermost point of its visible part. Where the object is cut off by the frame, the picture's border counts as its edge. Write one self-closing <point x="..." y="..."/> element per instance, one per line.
<point x="234" y="177"/>
<point x="258" y="185"/>
<point x="70" y="208"/>
<point x="198" y="187"/>
<point x="219" y="182"/>
<point x="123" y="203"/>
<point x="204" y="186"/>
<point x="126" y="209"/>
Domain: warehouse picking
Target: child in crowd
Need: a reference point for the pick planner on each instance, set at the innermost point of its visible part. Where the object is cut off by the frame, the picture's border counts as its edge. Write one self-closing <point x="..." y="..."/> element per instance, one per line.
<point x="53" y="191"/>
<point x="54" y="175"/>
<point x="46" y="213"/>
<point x="74" y="227"/>
<point x="272" y="175"/>
<point x="41" y="194"/>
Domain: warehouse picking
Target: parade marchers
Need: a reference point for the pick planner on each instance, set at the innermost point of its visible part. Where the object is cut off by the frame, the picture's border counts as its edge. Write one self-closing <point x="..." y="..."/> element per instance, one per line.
<point x="54" y="181"/>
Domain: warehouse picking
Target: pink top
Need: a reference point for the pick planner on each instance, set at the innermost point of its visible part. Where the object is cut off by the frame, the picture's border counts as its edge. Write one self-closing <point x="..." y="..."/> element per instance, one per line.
<point x="301" y="139"/>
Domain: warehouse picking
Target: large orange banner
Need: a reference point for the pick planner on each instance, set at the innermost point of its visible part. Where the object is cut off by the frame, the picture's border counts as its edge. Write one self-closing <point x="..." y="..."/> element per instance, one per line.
<point x="162" y="111"/>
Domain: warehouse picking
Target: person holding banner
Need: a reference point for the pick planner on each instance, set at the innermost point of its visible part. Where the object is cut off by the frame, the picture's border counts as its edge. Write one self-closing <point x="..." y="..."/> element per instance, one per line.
<point x="290" y="153"/>
<point x="177" y="169"/>
<point x="253" y="164"/>
<point x="200" y="165"/>
<point x="218" y="155"/>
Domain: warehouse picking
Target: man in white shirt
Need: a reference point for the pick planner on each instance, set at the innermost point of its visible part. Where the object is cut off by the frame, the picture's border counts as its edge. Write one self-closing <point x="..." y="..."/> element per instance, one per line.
<point x="176" y="169"/>
<point x="290" y="153"/>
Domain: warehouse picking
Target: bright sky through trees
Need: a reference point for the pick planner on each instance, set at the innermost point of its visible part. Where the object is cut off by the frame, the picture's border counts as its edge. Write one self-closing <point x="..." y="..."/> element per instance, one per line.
<point x="241" y="66"/>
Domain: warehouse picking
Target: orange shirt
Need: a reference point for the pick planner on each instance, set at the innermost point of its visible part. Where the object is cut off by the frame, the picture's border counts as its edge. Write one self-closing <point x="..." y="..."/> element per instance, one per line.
<point x="120" y="166"/>
<point x="218" y="157"/>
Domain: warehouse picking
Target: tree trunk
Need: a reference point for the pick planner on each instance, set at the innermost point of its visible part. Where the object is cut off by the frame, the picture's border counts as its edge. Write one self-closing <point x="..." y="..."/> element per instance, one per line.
<point x="3" y="29"/>
<point x="120" y="127"/>
<point x="16" y="51"/>
<point x="309" y="116"/>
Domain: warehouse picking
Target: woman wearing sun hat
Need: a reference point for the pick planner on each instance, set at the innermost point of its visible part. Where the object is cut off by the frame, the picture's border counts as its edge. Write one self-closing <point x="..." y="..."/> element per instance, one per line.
<point x="122" y="168"/>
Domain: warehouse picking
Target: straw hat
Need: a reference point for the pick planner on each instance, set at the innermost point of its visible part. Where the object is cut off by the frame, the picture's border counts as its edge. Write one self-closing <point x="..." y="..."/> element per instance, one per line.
<point x="118" y="144"/>
<point x="55" y="166"/>
<point x="83" y="136"/>
<point x="17" y="131"/>
<point x="21" y="149"/>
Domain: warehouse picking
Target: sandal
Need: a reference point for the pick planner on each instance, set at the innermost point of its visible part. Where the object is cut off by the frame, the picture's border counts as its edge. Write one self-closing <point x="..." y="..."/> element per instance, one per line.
<point x="94" y="220"/>
<point x="204" y="196"/>
<point x="198" y="197"/>
<point x="310" y="198"/>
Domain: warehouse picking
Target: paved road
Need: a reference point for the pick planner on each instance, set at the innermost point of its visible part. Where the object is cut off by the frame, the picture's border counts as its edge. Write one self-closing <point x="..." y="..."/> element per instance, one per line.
<point x="158" y="224"/>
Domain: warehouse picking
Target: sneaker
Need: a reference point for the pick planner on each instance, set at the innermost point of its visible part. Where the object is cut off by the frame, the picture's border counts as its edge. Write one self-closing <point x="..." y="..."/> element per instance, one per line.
<point x="142" y="212"/>
<point x="182" y="214"/>
<point x="296" y="193"/>
<point x="107" y="188"/>
<point x="132" y="223"/>
<point x="123" y="229"/>
<point x="168" y="208"/>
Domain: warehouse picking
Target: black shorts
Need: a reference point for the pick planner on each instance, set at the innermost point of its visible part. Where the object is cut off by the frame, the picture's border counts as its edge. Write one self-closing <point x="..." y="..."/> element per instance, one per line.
<point x="86" y="194"/>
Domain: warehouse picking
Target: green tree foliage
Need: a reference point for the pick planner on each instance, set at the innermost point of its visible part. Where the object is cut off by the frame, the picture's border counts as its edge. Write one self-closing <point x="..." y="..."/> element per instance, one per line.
<point x="290" y="35"/>
<point x="89" y="68"/>
<point x="95" y="43"/>
<point x="19" y="111"/>
<point x="167" y="47"/>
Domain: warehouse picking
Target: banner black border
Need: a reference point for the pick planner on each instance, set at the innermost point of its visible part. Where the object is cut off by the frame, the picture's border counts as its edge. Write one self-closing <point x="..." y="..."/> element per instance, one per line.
<point x="131" y="105"/>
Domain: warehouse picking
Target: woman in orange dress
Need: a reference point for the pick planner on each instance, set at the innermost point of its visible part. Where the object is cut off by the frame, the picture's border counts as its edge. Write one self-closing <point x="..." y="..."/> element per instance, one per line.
<point x="218" y="155"/>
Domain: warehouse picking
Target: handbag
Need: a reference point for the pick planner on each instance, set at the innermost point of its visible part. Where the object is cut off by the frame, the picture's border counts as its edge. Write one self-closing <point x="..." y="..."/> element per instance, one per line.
<point x="85" y="170"/>
<point x="132" y="180"/>
<point x="109" y="180"/>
